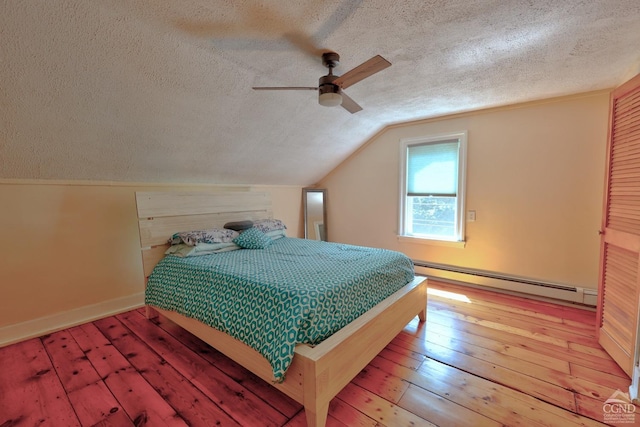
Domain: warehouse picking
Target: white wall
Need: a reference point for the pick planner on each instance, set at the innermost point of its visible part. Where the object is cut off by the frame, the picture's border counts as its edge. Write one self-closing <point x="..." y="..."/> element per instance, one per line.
<point x="535" y="175"/>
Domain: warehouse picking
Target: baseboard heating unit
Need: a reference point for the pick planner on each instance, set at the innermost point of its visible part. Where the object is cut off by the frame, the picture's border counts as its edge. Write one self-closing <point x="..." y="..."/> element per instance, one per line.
<point x="508" y="283"/>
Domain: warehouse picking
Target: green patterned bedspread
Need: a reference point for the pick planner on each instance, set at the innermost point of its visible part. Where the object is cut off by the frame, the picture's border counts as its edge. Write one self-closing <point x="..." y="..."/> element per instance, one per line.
<point x="294" y="291"/>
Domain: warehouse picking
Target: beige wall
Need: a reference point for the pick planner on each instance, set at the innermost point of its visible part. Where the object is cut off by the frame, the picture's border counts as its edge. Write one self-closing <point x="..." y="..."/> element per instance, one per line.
<point x="67" y="246"/>
<point x="535" y="175"/>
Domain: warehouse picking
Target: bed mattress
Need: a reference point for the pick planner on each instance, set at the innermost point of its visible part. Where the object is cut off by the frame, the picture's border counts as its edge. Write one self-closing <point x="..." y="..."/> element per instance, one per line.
<point x="293" y="291"/>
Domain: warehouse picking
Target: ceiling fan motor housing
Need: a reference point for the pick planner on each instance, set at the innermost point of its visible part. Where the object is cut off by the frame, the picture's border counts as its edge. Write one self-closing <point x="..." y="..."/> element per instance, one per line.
<point x="329" y="94"/>
<point x="326" y="85"/>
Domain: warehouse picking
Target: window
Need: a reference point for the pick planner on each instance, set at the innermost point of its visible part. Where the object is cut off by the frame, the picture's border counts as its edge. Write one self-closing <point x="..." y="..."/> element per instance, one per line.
<point x="432" y="179"/>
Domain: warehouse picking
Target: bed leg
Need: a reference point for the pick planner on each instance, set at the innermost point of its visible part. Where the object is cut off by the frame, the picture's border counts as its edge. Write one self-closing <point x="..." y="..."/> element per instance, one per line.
<point x="315" y="399"/>
<point x="422" y="316"/>
<point x="149" y="312"/>
<point x="317" y="417"/>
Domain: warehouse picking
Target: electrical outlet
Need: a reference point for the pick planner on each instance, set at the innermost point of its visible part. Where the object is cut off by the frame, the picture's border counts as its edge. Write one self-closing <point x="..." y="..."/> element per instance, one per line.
<point x="471" y="216"/>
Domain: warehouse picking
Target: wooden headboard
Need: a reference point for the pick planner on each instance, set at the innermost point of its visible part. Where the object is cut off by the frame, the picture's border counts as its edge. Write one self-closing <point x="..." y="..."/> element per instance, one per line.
<point x="163" y="213"/>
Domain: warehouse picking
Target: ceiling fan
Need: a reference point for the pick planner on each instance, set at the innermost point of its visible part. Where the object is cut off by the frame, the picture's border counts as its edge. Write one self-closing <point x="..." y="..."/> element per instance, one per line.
<point x="330" y="88"/>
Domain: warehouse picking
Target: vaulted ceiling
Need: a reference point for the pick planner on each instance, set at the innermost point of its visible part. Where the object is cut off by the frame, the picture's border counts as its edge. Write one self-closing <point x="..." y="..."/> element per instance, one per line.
<point x="161" y="90"/>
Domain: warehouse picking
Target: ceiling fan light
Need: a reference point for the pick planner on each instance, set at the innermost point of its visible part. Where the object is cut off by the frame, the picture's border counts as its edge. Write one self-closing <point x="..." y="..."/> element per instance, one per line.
<point x="330" y="99"/>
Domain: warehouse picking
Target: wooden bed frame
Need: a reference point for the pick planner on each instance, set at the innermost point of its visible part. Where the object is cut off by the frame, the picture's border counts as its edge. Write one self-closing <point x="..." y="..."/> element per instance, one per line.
<point x="317" y="373"/>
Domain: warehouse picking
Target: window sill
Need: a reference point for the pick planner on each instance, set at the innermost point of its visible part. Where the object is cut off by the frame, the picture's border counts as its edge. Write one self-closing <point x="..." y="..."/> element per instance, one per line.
<point x="432" y="242"/>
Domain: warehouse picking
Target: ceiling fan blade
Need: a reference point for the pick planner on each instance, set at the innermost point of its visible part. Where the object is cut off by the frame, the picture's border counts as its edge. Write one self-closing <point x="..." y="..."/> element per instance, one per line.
<point x="284" y="88"/>
<point x="349" y="104"/>
<point x="362" y="71"/>
<point x="304" y="43"/>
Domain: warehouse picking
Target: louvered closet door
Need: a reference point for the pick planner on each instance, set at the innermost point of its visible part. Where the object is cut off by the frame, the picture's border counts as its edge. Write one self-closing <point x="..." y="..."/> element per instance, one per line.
<point x="620" y="245"/>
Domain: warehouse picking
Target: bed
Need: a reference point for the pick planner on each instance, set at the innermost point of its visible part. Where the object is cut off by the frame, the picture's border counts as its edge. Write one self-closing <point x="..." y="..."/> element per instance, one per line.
<point x="316" y="373"/>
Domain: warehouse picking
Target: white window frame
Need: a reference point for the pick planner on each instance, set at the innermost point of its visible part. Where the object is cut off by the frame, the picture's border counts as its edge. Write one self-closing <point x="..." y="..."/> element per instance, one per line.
<point x="405" y="143"/>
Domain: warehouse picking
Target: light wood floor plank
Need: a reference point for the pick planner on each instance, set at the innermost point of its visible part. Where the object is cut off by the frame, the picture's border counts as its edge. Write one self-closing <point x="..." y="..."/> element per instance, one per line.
<point x="221" y="389"/>
<point x="73" y="368"/>
<point x="508" y="315"/>
<point x="511" y="302"/>
<point x="550" y="373"/>
<point x="190" y="403"/>
<point x="91" y="398"/>
<point x="441" y="411"/>
<point x="402" y="356"/>
<point x="600" y="377"/>
<point x="500" y="345"/>
<point x="387" y="386"/>
<point x="499" y="357"/>
<point x="591" y="349"/>
<point x="94" y="405"/>
<point x="594" y="408"/>
<point x="517" y="380"/>
<point x="495" y="359"/>
<point x="497" y="402"/>
<point x="383" y="411"/>
<point x="455" y="386"/>
<point x="575" y="354"/>
<point x="31" y="393"/>
<point x="525" y="328"/>
<point x="278" y="400"/>
<point x="141" y="402"/>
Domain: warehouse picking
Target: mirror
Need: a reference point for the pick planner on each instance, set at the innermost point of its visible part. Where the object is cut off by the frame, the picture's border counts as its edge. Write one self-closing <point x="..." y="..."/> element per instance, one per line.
<point x="315" y="213"/>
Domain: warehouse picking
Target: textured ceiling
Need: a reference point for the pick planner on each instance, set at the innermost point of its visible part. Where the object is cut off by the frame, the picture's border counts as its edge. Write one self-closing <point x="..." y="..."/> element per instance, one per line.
<point x="160" y="90"/>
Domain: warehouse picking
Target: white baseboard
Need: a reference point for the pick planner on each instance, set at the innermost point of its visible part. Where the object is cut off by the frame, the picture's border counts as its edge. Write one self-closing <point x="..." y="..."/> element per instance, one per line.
<point x="44" y="325"/>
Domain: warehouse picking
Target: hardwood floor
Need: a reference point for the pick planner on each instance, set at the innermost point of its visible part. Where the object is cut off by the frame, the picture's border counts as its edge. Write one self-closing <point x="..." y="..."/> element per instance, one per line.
<point x="482" y="359"/>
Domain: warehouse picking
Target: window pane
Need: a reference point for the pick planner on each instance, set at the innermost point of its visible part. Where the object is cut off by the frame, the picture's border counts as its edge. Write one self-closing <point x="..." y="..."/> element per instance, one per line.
<point x="432" y="185"/>
<point x="431" y="216"/>
<point x="433" y="168"/>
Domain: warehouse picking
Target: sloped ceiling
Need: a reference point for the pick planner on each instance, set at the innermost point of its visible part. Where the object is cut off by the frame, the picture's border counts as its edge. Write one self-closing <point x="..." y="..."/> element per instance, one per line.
<point x="160" y="90"/>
